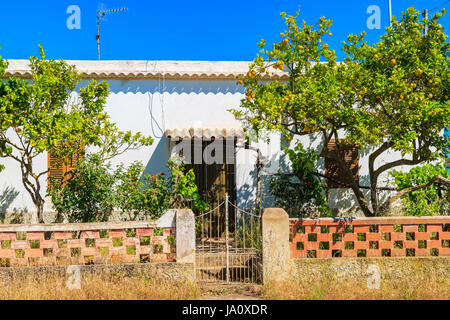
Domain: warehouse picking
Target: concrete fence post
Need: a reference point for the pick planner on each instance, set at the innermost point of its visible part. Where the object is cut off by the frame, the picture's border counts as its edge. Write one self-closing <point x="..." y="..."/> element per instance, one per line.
<point x="275" y="245"/>
<point x="185" y="236"/>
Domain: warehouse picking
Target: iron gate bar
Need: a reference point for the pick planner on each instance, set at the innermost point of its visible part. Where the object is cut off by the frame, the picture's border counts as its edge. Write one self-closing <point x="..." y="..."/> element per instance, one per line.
<point x="225" y="256"/>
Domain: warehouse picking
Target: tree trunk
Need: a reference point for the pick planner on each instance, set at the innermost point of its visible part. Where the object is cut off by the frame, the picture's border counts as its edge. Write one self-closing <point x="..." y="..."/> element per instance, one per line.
<point x="40" y="213"/>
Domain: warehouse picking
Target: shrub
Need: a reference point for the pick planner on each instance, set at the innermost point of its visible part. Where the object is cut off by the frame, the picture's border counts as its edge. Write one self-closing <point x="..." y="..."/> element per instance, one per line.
<point x="89" y="195"/>
<point x="433" y="200"/>
<point x="95" y="190"/>
<point x="300" y="190"/>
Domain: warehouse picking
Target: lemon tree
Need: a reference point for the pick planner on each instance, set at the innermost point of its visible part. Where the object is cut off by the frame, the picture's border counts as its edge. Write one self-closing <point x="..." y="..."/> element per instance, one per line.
<point x="41" y="115"/>
<point x="388" y="96"/>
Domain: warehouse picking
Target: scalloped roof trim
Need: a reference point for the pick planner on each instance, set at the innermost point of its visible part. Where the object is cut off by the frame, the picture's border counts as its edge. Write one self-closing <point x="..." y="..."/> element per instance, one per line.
<point x="169" y="70"/>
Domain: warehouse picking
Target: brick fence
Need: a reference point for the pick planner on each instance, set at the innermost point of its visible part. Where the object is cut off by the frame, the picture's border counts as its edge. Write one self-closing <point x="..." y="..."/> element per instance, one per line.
<point x="90" y="243"/>
<point x="369" y="237"/>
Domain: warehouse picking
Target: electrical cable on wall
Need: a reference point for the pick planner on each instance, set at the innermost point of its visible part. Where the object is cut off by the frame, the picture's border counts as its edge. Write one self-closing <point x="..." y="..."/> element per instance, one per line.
<point x="152" y="117"/>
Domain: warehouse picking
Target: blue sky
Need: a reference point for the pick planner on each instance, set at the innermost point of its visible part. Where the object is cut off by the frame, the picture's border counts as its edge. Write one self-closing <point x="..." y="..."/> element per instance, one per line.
<point x="177" y="30"/>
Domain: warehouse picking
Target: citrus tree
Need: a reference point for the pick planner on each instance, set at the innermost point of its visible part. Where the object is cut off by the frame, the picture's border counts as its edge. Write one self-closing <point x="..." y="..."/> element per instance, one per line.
<point x="40" y="116"/>
<point x="388" y="96"/>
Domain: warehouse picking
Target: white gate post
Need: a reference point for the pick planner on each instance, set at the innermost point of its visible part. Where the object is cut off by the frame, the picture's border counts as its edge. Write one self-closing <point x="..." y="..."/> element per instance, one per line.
<point x="275" y="245"/>
<point x="185" y="236"/>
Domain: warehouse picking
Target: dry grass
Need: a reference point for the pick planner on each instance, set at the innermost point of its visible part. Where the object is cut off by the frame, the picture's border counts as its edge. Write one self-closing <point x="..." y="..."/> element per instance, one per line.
<point x="95" y="288"/>
<point x="418" y="287"/>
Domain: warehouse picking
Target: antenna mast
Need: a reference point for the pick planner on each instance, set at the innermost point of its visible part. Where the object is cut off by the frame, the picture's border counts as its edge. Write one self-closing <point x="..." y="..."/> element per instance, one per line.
<point x="102" y="14"/>
<point x="390" y="12"/>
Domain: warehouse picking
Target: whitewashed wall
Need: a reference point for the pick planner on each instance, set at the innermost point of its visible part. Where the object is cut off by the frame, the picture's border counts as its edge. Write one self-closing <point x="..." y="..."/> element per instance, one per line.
<point x="151" y="107"/>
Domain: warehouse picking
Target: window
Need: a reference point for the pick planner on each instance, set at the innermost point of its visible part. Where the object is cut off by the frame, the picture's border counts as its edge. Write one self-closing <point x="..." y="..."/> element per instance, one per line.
<point x="350" y="156"/>
<point x="216" y="179"/>
<point x="57" y="168"/>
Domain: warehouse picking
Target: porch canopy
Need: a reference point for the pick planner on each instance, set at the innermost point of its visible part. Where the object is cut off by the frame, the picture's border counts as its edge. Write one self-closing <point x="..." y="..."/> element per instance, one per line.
<point x="206" y="133"/>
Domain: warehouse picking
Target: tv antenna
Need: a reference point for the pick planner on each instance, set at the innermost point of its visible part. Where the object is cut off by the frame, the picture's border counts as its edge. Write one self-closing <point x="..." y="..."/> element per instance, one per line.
<point x="101" y="15"/>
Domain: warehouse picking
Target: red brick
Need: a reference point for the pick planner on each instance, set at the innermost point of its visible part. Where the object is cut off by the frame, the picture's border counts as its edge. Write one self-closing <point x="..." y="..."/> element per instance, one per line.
<point x="7" y="236"/>
<point x="311" y="245"/>
<point x="335" y="229"/>
<point x="434" y="228"/>
<point x="410" y="228"/>
<point x="90" y="234"/>
<point x="386" y="228"/>
<point x="373" y="253"/>
<point x="338" y="245"/>
<point x="148" y="250"/>
<point x="444" y="235"/>
<point x="349" y="237"/>
<point x="312" y="229"/>
<point x="49" y="244"/>
<point x="398" y="252"/>
<point x="410" y="244"/>
<point x="19" y="244"/>
<point x="7" y="253"/>
<point x="422" y="236"/>
<point x="349" y="253"/>
<point x="385" y="244"/>
<point x="444" y="251"/>
<point x="75" y="243"/>
<point x="373" y="236"/>
<point x="434" y="243"/>
<point x="422" y="252"/>
<point x="323" y="253"/>
<point x="103" y="242"/>
<point x="63" y="235"/>
<point x="33" y="253"/>
<point x="35" y="235"/>
<point x="361" y="229"/>
<point x="131" y="242"/>
<point x="361" y="245"/>
<point x="117" y="234"/>
<point x="398" y="236"/>
<point x="324" y="237"/>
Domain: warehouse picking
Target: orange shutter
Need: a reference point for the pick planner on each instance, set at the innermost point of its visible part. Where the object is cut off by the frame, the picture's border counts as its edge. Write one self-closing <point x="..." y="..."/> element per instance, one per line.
<point x="350" y="155"/>
<point x="57" y="168"/>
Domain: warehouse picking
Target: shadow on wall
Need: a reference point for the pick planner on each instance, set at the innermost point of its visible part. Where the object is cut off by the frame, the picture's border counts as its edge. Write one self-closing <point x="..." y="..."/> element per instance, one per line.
<point x="246" y="193"/>
<point x="6" y="198"/>
<point x="16" y="216"/>
<point x="160" y="157"/>
<point x="172" y="86"/>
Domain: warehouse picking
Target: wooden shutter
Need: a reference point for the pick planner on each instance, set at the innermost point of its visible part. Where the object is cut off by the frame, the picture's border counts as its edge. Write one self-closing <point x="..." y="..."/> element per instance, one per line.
<point x="350" y="155"/>
<point x="57" y="168"/>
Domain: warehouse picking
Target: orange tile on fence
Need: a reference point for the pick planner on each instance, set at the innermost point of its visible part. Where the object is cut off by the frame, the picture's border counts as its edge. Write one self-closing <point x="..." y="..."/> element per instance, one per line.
<point x="370" y="237"/>
<point x="89" y="246"/>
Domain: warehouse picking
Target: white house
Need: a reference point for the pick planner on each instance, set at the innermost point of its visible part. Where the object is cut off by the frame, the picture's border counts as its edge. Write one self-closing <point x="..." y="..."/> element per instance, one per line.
<point x="173" y="100"/>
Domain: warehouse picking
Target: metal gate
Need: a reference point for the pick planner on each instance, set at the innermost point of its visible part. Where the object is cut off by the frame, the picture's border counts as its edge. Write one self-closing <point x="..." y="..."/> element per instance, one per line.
<point x="228" y="245"/>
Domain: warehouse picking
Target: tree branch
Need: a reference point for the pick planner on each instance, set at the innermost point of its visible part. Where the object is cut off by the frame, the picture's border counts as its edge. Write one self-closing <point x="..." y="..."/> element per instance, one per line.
<point x="401" y="193"/>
